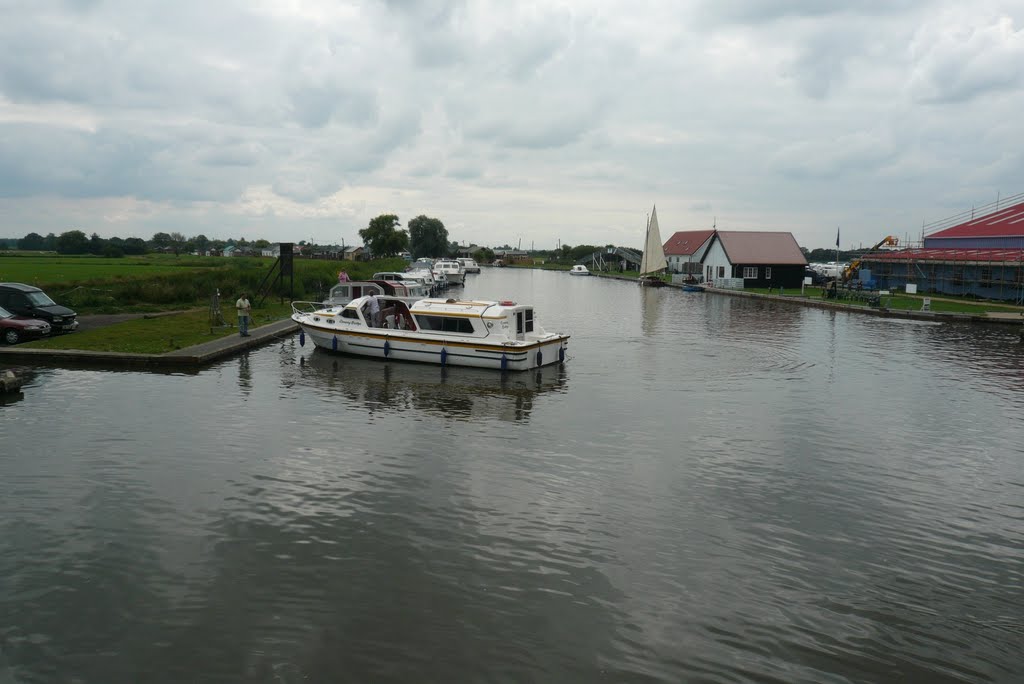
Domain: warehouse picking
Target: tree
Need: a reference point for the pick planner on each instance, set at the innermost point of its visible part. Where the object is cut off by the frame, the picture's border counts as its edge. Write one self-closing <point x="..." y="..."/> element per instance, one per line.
<point x="201" y="243"/>
<point x="427" y="237"/>
<point x="382" y="236"/>
<point x="161" y="242"/>
<point x="178" y="242"/>
<point x="483" y="255"/>
<point x="134" y="245"/>
<point x="96" y="244"/>
<point x="32" y="241"/>
<point x="50" y="242"/>
<point x="72" y="242"/>
<point x="581" y="251"/>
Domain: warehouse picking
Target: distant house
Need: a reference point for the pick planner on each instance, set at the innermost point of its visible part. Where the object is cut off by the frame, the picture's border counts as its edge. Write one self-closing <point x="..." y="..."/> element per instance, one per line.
<point x="229" y="251"/>
<point x="512" y="255"/>
<point x="685" y="249"/>
<point x="760" y="258"/>
<point x="353" y="253"/>
<point x="468" y="252"/>
<point x="272" y="251"/>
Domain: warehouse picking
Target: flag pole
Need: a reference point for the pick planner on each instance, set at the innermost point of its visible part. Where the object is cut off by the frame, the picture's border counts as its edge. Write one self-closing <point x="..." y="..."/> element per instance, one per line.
<point x="837" y="253"/>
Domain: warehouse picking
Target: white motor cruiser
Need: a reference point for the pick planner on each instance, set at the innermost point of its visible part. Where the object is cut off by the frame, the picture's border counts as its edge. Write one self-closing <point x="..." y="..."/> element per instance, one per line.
<point x="486" y="334"/>
<point x="452" y="270"/>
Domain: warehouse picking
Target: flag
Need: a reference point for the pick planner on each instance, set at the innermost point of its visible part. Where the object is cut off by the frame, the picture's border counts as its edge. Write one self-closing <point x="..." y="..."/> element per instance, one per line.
<point x="837" y="238"/>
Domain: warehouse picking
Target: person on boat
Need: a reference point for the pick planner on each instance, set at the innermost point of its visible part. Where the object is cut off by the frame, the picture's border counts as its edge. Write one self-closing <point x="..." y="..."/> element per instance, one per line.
<point x="373" y="311"/>
<point x="244" y="309"/>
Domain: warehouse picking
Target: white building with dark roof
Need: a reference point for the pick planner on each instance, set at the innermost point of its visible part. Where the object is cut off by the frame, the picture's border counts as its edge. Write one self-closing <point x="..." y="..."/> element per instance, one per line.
<point x="759" y="258"/>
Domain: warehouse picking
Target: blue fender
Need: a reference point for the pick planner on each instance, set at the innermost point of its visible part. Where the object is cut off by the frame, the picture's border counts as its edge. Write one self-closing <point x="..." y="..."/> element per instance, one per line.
<point x="387" y="348"/>
<point x="504" y="362"/>
<point x="540" y="358"/>
<point x="561" y="355"/>
<point x="444" y="356"/>
<point x="334" y="343"/>
<point x="302" y="338"/>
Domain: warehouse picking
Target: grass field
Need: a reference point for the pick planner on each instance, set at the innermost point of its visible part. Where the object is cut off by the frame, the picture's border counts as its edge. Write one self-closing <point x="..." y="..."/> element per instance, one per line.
<point x="71" y="270"/>
<point x="161" y="282"/>
<point x="158" y="335"/>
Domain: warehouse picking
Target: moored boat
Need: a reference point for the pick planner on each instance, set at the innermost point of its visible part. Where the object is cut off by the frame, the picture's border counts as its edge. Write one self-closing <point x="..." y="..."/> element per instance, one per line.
<point x="579" y="270"/>
<point x="408" y="290"/>
<point x="485" y="334"/>
<point x="452" y="270"/>
<point x="469" y="265"/>
<point x="653" y="261"/>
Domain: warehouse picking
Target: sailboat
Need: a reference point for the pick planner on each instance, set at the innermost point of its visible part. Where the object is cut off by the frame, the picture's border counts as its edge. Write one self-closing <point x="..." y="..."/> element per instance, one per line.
<point x="654" y="254"/>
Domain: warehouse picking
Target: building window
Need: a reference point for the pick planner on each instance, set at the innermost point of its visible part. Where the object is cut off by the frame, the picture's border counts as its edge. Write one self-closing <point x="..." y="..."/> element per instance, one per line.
<point x="958" y="275"/>
<point x="767" y="272"/>
<point x="721" y="271"/>
<point x="986" y="275"/>
<point x="750" y="272"/>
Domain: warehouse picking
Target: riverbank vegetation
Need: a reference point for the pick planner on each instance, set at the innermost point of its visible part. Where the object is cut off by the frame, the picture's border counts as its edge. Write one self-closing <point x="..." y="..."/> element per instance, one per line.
<point x="899" y="301"/>
<point x="160" y="282"/>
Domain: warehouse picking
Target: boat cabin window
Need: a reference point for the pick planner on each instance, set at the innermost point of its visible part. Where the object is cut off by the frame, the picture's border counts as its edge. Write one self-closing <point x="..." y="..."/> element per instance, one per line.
<point x="529" y="320"/>
<point x="519" y="322"/>
<point x="349" y="313"/>
<point x="451" y="324"/>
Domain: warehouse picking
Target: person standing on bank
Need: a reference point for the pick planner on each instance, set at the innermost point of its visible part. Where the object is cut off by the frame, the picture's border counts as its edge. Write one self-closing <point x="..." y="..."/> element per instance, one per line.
<point x="373" y="309"/>
<point x="243" y="308"/>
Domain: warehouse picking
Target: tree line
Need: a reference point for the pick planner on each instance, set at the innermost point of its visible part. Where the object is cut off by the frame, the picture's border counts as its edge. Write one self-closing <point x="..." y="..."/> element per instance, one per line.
<point x="426" y="237"/>
<point x="76" y="242"/>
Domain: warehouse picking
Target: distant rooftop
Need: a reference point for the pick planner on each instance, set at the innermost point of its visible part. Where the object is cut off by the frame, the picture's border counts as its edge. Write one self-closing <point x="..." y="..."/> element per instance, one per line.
<point x="686" y="242"/>
<point x="761" y="247"/>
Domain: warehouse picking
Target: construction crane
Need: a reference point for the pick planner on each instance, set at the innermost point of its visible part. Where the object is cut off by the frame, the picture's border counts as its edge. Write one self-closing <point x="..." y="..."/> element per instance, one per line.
<point x="851" y="270"/>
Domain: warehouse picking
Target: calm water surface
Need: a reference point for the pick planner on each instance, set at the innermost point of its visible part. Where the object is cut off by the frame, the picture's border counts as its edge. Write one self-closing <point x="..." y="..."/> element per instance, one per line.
<point x="710" y="490"/>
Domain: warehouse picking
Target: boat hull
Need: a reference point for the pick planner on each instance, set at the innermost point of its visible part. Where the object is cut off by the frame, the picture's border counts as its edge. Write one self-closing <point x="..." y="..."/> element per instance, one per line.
<point x="396" y="347"/>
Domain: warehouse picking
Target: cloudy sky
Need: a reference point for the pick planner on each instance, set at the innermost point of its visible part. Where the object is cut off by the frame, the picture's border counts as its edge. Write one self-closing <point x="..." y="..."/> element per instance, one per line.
<point x="509" y="121"/>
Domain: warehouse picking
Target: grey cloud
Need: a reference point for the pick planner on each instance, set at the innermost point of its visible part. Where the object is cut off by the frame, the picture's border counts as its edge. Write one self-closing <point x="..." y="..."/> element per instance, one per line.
<point x="315" y="106"/>
<point x="958" y="66"/>
<point x="821" y="64"/>
<point x="766" y="11"/>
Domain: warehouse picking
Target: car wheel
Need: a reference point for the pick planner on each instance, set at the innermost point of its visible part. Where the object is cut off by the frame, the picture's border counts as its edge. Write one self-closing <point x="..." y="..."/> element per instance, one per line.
<point x="11" y="336"/>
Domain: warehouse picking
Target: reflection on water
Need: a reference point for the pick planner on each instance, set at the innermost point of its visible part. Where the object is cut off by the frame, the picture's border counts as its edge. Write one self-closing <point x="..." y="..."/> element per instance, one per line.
<point x="711" y="489"/>
<point x="459" y="393"/>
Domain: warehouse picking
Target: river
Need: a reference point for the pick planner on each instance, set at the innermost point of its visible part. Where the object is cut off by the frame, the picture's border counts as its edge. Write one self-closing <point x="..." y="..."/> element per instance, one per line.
<point x="711" y="489"/>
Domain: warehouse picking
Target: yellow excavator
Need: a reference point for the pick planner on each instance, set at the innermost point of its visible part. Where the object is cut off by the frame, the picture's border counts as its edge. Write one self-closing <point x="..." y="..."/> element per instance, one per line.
<point x="851" y="271"/>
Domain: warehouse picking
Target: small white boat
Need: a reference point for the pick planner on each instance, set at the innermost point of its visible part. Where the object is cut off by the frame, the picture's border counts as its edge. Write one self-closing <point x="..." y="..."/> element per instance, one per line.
<point x="451" y="270"/>
<point x="469" y="265"/>
<point x="579" y="269"/>
<point x="485" y="334"/>
<point x="343" y="293"/>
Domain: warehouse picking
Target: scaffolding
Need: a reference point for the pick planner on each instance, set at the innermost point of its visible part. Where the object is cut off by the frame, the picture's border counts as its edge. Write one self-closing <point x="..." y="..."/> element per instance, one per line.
<point x="964" y="277"/>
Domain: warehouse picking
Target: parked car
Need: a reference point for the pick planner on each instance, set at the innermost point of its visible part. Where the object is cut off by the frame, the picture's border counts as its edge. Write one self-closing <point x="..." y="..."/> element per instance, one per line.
<point x="31" y="302"/>
<point x="14" y="329"/>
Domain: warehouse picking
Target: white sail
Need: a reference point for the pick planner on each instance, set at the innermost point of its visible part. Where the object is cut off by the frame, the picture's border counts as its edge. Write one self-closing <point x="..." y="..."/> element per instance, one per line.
<point x="654" y="252"/>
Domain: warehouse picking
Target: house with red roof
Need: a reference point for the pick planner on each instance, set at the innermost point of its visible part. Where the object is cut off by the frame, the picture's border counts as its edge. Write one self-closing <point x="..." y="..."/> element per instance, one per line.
<point x="685" y="249"/>
<point x="979" y="253"/>
<point x="759" y="258"/>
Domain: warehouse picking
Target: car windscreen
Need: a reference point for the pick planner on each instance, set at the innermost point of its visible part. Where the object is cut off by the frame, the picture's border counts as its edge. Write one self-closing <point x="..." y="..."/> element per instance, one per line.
<point x="39" y="299"/>
<point x="4" y="313"/>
